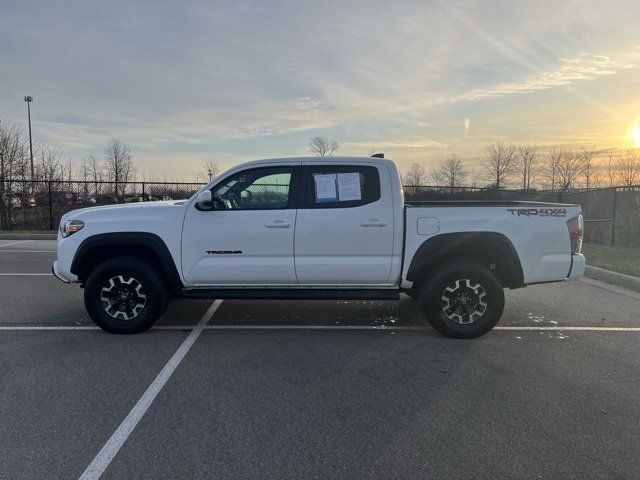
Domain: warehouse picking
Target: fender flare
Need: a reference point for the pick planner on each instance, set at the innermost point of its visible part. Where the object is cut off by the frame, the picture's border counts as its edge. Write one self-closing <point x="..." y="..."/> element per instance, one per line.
<point x="450" y="244"/>
<point x="128" y="239"/>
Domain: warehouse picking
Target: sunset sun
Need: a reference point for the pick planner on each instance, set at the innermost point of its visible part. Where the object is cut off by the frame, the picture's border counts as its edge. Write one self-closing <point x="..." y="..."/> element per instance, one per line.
<point x="635" y="134"/>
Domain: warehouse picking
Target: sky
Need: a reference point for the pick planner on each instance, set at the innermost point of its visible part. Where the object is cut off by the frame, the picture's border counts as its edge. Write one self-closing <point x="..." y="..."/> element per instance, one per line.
<point x="183" y="82"/>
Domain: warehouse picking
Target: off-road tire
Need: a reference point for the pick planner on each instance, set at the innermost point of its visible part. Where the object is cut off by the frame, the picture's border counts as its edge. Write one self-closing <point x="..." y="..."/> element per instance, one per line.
<point x="455" y="290"/>
<point x="148" y="294"/>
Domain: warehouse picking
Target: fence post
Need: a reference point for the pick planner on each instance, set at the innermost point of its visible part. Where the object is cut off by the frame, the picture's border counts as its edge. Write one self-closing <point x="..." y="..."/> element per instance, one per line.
<point x="143" y="192"/>
<point x="613" y="217"/>
<point x="50" y="205"/>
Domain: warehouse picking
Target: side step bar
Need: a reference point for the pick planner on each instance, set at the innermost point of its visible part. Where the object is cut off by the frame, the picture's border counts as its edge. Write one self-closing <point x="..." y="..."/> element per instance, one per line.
<point x="293" y="294"/>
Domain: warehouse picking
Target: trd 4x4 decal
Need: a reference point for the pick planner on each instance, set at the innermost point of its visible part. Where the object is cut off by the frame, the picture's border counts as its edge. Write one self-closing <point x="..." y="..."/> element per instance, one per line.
<point x="539" y="212"/>
<point x="224" y="252"/>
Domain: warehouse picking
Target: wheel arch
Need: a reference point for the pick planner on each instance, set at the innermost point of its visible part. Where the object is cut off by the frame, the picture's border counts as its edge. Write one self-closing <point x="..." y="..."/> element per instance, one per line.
<point x="97" y="248"/>
<point x="488" y="248"/>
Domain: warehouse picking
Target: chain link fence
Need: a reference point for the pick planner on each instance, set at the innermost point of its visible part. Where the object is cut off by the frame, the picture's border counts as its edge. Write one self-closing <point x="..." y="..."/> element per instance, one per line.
<point x="612" y="215"/>
<point x="39" y="205"/>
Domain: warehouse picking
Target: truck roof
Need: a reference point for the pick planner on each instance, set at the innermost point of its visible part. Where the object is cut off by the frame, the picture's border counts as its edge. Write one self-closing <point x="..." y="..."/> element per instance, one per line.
<point x="340" y="159"/>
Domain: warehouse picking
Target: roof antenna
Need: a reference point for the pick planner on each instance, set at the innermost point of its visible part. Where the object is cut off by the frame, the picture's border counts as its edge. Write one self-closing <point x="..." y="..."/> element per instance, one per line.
<point x="378" y="155"/>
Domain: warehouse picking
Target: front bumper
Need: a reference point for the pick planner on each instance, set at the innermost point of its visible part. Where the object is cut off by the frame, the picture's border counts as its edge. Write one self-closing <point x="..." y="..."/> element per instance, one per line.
<point x="578" y="265"/>
<point x="58" y="275"/>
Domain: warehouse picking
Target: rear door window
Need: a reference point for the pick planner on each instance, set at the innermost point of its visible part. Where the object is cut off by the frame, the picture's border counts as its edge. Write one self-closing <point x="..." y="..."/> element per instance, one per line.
<point x="340" y="186"/>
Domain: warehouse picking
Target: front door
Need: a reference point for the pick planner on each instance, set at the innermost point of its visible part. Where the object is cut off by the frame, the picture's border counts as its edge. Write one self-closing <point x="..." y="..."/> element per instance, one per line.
<point x="247" y="238"/>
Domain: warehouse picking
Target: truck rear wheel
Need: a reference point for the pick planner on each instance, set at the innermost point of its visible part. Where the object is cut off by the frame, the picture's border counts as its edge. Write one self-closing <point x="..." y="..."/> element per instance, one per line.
<point x="125" y="295"/>
<point x="463" y="299"/>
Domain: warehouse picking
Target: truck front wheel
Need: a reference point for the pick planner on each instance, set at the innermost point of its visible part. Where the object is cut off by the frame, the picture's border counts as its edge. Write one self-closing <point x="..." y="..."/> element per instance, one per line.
<point x="125" y="295"/>
<point x="463" y="299"/>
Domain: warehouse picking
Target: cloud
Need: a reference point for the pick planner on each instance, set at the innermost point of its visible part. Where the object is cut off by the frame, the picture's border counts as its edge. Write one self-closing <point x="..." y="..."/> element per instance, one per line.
<point x="409" y="144"/>
<point x="586" y="66"/>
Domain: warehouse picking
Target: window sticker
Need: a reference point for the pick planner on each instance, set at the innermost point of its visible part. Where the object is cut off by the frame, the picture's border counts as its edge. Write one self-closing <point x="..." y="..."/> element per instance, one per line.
<point x="349" y="187"/>
<point x="326" y="188"/>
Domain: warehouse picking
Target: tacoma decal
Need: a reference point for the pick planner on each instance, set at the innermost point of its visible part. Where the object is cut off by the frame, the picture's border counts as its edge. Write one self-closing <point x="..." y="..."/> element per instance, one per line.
<point x="224" y="252"/>
<point x="538" y="212"/>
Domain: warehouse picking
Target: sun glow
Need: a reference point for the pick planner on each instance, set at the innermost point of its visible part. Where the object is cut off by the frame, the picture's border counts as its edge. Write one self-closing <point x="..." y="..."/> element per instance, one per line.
<point x="635" y="134"/>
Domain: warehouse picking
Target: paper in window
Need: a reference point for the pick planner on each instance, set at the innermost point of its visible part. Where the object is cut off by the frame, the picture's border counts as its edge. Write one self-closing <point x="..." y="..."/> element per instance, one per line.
<point x="326" y="188"/>
<point x="349" y="187"/>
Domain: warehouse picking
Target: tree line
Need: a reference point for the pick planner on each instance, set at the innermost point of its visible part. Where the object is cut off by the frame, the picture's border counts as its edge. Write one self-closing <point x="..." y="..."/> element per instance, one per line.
<point x="503" y="166"/>
<point x="525" y="167"/>
<point x="109" y="174"/>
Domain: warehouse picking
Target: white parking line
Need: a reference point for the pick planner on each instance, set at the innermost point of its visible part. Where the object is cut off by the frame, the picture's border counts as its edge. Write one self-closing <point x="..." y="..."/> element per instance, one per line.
<point x="26" y="274"/>
<point x="26" y="251"/>
<point x="574" y="329"/>
<point x="100" y="463"/>
<point x="13" y="243"/>
<point x="25" y="328"/>
<point x="400" y="327"/>
<point x="18" y="328"/>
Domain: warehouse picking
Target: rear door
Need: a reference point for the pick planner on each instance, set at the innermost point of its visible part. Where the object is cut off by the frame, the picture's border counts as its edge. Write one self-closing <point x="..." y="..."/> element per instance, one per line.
<point x="247" y="239"/>
<point x="344" y="228"/>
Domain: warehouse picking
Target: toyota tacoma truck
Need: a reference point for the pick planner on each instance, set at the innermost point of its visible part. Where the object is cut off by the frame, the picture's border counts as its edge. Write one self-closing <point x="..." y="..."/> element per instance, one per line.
<point x="315" y="228"/>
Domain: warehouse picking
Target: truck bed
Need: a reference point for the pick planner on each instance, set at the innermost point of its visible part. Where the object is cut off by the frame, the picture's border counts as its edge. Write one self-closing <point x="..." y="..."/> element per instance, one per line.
<point x="537" y="231"/>
<point x="482" y="203"/>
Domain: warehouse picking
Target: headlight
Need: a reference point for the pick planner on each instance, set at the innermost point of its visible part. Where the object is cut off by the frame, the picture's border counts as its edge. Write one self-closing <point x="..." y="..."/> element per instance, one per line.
<point x="71" y="226"/>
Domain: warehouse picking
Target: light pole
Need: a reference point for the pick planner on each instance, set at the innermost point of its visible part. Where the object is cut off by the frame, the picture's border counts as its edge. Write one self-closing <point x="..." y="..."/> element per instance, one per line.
<point x="29" y="99"/>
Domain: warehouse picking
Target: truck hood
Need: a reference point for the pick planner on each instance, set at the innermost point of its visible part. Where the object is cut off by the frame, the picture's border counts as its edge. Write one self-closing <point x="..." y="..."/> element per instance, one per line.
<point x="126" y="210"/>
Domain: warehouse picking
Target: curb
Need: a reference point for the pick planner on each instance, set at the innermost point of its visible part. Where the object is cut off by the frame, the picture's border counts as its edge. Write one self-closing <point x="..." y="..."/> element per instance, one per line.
<point x="28" y="236"/>
<point x="614" y="278"/>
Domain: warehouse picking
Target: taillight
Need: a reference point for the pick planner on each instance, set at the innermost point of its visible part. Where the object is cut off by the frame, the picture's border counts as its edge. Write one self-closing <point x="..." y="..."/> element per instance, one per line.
<point x="576" y="229"/>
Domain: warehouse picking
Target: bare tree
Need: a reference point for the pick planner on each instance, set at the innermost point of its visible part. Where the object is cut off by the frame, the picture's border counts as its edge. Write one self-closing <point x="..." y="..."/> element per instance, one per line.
<point x="551" y="167"/>
<point x="500" y="163"/>
<point x="322" y="147"/>
<point x="569" y="170"/>
<point x="451" y="172"/>
<point x="95" y="173"/>
<point x="12" y="150"/>
<point x="528" y="163"/>
<point x="210" y="169"/>
<point x="590" y="169"/>
<point x="612" y="167"/>
<point x="12" y="164"/>
<point x="48" y="164"/>
<point x="473" y="175"/>
<point x="628" y="167"/>
<point x="415" y="177"/>
<point x="118" y="165"/>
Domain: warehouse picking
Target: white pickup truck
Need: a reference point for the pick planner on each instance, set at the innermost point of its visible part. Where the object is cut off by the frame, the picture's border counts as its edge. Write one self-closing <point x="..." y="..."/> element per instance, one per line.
<point x="315" y="228"/>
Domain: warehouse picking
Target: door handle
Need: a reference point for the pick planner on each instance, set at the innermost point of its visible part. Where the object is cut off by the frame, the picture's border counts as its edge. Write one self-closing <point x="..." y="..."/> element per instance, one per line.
<point x="373" y="222"/>
<point x="277" y="224"/>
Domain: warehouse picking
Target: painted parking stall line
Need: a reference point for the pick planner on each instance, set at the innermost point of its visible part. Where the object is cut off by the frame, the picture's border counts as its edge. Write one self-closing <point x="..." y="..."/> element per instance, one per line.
<point x="110" y="449"/>
<point x="26" y="274"/>
<point x="13" y="243"/>
<point x="26" y="328"/>
<point x="572" y="329"/>
<point x="26" y="251"/>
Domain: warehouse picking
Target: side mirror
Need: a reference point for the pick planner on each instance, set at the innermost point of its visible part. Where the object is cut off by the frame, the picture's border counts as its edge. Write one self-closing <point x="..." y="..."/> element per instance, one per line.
<point x="204" y="200"/>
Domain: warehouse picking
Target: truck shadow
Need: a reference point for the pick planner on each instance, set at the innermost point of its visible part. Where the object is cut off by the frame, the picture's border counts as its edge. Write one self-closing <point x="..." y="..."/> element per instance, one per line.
<point x="360" y="313"/>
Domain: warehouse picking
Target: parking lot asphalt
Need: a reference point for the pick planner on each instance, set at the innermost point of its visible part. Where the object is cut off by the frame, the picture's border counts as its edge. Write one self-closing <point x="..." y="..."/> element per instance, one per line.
<point x="322" y="389"/>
